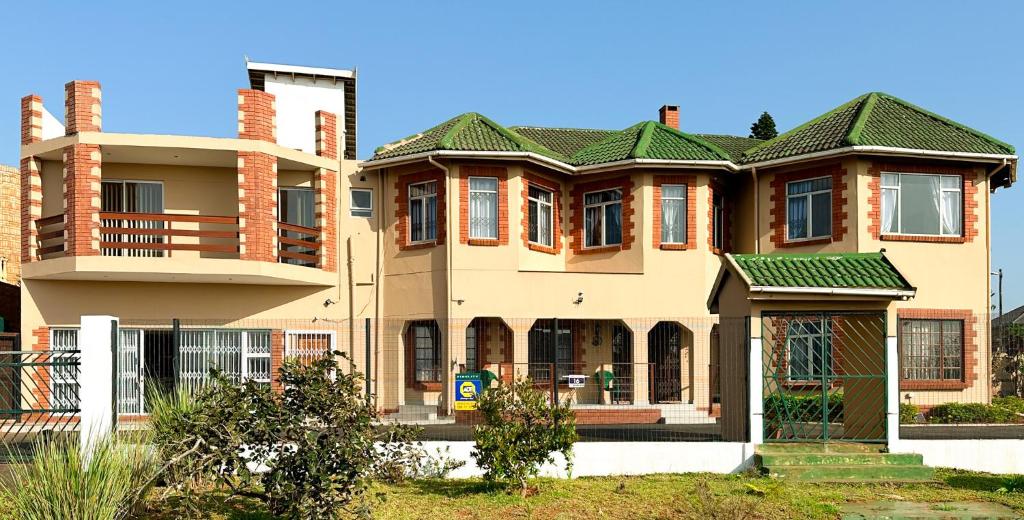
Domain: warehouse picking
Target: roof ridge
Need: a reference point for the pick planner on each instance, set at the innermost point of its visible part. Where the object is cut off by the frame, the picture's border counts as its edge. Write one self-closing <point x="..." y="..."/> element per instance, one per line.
<point x="643" y="141"/>
<point x="449" y="136"/>
<point x="561" y="128"/>
<point x="861" y="119"/>
<point x="780" y="137"/>
<point x="696" y="140"/>
<point x="950" y="122"/>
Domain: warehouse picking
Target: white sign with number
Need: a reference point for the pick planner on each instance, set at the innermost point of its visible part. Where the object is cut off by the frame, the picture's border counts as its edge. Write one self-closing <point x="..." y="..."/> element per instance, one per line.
<point x="576" y="381"/>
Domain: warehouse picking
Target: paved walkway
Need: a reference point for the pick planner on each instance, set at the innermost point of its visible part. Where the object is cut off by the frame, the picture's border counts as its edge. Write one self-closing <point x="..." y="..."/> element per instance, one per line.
<point x="922" y="510"/>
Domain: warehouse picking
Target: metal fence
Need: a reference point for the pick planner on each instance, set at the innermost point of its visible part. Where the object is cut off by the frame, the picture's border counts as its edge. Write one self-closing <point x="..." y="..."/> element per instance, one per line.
<point x="38" y="398"/>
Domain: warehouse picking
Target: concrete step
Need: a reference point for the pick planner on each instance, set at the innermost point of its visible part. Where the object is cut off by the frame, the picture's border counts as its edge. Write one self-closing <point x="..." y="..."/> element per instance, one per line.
<point x="854" y="473"/>
<point x="773" y="448"/>
<point x="840" y="459"/>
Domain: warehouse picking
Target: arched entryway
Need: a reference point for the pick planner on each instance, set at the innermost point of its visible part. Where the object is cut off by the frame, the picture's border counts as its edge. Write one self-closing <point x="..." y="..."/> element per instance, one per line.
<point x="668" y="346"/>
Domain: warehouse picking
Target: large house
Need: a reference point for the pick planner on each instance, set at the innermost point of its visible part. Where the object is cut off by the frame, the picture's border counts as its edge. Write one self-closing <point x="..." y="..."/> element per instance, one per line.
<point x="685" y="275"/>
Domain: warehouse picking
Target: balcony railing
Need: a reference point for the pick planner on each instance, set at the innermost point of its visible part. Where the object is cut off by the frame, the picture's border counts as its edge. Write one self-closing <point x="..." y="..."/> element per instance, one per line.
<point x="157" y="234"/>
<point x="299" y="245"/>
<point x="50" y="235"/>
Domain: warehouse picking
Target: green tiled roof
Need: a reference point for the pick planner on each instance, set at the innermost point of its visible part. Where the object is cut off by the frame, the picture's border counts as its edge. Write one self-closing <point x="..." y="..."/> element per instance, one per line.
<point x="565" y="141"/>
<point x="733" y="144"/>
<point x="877" y="119"/>
<point x="837" y="270"/>
<point x="579" y="147"/>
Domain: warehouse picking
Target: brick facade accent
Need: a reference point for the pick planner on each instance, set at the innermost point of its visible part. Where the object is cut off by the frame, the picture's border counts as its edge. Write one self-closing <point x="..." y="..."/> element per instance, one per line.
<point x="483" y="171"/>
<point x="257" y="206"/>
<point x="716" y="187"/>
<point x="82" y="107"/>
<point x="576" y="219"/>
<point x="326" y="193"/>
<point x="257" y="115"/>
<point x="839" y="204"/>
<point x="31" y="119"/>
<point x="970" y="348"/>
<point x="402" y="209"/>
<point x="690" y="182"/>
<point x="326" y="134"/>
<point x="31" y="207"/>
<point x="969" y="227"/>
<point x="530" y="179"/>
<point x="82" y="164"/>
<point x="39" y="385"/>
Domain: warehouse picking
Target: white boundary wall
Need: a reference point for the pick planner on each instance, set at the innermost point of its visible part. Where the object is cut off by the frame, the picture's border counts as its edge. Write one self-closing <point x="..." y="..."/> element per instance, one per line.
<point x="988" y="455"/>
<point x="595" y="459"/>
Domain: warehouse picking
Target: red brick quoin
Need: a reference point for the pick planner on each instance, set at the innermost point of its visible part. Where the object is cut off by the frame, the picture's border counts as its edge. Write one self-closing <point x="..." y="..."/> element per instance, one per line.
<point x="402" y="209"/>
<point x="970" y="348"/>
<point x="839" y="204"/>
<point x="530" y="179"/>
<point x="690" y="182"/>
<point x="81" y="180"/>
<point x="576" y="219"/>
<point x="970" y="201"/>
<point x="483" y="171"/>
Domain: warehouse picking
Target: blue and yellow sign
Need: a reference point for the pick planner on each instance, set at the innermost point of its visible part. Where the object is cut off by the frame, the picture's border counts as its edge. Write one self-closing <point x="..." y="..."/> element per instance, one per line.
<point x="467" y="388"/>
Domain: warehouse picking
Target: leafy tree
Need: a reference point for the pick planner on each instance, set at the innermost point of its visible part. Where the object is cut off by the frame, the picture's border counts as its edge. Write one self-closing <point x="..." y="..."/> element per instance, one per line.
<point x="520" y="432"/>
<point x="764" y="127"/>
<point x="314" y="442"/>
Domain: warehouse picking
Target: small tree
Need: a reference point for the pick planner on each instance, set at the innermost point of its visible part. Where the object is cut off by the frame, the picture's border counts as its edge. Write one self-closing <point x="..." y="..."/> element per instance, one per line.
<point x="764" y="127"/>
<point x="520" y="431"/>
<point x="315" y="440"/>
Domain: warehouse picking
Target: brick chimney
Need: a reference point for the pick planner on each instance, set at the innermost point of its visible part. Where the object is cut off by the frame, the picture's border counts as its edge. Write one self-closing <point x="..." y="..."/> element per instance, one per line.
<point x="669" y="115"/>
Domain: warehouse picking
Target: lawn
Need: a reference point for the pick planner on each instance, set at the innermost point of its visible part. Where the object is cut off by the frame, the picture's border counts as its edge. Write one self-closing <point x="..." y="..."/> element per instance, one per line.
<point x="656" y="496"/>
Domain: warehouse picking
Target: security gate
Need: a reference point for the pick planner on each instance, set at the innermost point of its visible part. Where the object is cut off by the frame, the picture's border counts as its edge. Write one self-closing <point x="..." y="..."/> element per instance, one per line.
<point x="824" y="376"/>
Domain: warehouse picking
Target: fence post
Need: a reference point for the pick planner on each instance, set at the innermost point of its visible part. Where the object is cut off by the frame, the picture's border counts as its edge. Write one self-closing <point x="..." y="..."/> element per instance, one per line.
<point x="369" y="367"/>
<point x="96" y="375"/>
<point x="892" y="391"/>
<point x="755" y="383"/>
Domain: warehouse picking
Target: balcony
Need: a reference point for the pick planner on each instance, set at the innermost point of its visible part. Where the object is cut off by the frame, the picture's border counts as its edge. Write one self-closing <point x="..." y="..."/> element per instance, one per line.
<point x="160" y="247"/>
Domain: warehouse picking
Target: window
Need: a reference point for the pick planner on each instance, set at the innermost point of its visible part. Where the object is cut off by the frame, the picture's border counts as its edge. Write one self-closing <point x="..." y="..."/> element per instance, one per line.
<point x="483" y="207"/>
<point x="916" y="204"/>
<point x="809" y="350"/>
<point x="809" y="208"/>
<point x="717" y="221"/>
<point x="602" y="212"/>
<point x="541" y="218"/>
<point x="423" y="211"/>
<point x="120" y="196"/>
<point x="238" y="354"/>
<point x="673" y="213"/>
<point x="361" y="202"/>
<point x="932" y="350"/>
<point x="543" y="351"/>
<point x="472" y="348"/>
<point x="425" y="339"/>
<point x="64" y="380"/>
<point x="295" y="206"/>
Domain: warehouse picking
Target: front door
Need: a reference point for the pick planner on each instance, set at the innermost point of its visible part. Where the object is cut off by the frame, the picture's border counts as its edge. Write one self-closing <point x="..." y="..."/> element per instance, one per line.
<point x="824" y="377"/>
<point x="663" y="352"/>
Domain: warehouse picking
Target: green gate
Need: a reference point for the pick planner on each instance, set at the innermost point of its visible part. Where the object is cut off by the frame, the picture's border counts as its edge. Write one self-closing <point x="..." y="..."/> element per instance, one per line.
<point x="824" y="376"/>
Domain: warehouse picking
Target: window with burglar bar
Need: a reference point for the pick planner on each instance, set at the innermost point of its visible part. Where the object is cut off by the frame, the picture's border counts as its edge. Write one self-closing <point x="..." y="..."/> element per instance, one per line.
<point x="541" y="218"/>
<point x="931" y="350"/>
<point x="673" y="213"/>
<point x="920" y="204"/>
<point x="809" y="349"/>
<point x="425" y="338"/>
<point x="809" y="209"/>
<point x="603" y="218"/>
<point x="423" y="211"/>
<point x="64" y="378"/>
<point x="483" y="207"/>
<point x="718" y="221"/>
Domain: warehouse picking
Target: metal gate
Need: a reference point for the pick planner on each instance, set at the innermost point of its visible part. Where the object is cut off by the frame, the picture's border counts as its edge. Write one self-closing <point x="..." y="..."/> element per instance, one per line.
<point x="824" y="376"/>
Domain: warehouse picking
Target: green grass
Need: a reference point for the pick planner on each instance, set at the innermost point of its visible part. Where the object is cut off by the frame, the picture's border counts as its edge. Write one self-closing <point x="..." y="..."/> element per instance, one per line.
<point x="656" y="496"/>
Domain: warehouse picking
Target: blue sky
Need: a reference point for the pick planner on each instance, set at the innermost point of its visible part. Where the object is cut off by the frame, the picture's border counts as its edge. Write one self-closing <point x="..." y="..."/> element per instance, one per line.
<point x="173" y="67"/>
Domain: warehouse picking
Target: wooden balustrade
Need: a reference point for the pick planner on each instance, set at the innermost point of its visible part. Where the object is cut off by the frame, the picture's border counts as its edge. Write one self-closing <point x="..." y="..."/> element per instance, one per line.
<point x="50" y="235"/>
<point x="298" y="244"/>
<point x="150" y="234"/>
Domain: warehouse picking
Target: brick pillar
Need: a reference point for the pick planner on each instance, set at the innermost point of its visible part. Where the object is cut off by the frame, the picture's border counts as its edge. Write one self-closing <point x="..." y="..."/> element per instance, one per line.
<point x="82" y="107"/>
<point x="257" y="206"/>
<point x="257" y="115"/>
<point x="326" y="134"/>
<point x="325" y="183"/>
<point x="82" y="163"/>
<point x="641" y="369"/>
<point x="31" y="207"/>
<point x="31" y="119"/>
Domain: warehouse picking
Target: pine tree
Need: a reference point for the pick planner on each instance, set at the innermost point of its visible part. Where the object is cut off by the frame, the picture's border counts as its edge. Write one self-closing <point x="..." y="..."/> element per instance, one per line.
<point x="764" y="127"/>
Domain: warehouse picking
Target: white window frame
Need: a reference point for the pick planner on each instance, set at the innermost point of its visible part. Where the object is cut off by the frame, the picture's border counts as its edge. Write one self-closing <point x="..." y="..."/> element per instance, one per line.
<point x="824" y="336"/>
<point x="942" y="201"/>
<point x="810" y="210"/>
<point x="352" y="209"/>
<point x="496" y="203"/>
<point x="686" y="208"/>
<point x="604" y="225"/>
<point x="423" y="211"/>
<point x="551" y="215"/>
<point x="54" y="379"/>
<point x="247" y="354"/>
